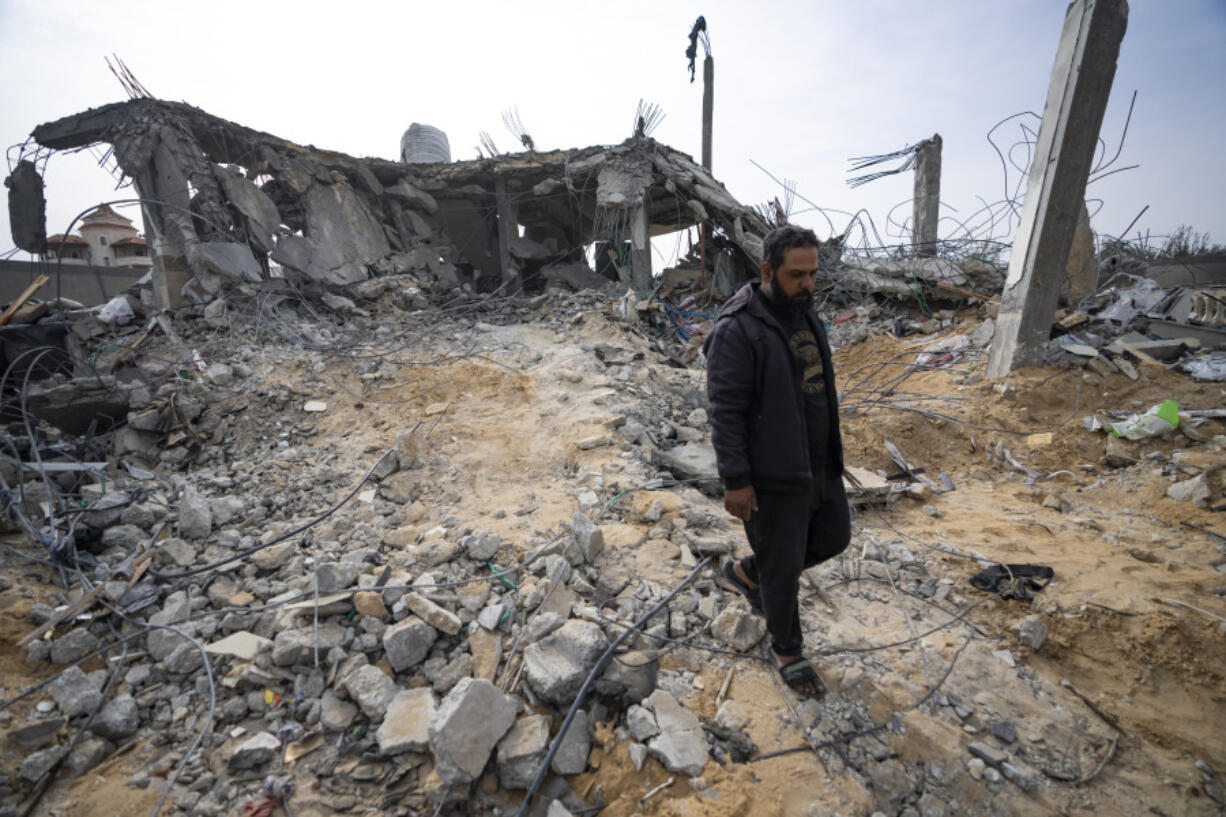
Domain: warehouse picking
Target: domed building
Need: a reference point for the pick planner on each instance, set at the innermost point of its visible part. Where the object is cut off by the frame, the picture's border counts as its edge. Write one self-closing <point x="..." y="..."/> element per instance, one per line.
<point x="106" y="239"/>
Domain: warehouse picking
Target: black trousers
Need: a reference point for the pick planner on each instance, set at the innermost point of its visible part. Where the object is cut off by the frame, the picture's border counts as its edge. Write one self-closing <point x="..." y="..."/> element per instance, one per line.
<point x="792" y="531"/>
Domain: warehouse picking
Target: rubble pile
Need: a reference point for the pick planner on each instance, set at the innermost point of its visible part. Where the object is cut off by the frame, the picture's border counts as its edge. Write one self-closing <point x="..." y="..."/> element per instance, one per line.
<point x="370" y="549"/>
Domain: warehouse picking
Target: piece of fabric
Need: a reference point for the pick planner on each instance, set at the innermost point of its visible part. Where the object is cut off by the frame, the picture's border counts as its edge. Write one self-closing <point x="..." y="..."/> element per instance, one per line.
<point x="789" y="533"/>
<point x="757" y="403"/>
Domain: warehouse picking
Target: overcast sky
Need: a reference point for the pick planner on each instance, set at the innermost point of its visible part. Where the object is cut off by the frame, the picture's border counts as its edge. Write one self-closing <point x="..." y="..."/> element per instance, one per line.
<point x="799" y="86"/>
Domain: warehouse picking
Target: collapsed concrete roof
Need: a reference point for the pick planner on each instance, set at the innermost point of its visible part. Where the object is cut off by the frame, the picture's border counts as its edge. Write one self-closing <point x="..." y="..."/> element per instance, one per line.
<point x="221" y="200"/>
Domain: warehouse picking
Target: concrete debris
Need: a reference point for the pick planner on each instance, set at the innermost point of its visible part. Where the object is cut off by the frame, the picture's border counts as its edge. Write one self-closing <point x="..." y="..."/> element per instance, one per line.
<point x="406" y="727"/>
<point x="556" y="666"/>
<point x="681" y="745"/>
<point x="76" y="693"/>
<point x="118" y="719"/>
<point x="467" y="726"/>
<point x="38" y="764"/>
<point x="521" y="751"/>
<point x="373" y="691"/>
<point x="739" y="628"/>
<point x="433" y="614"/>
<point x="407" y="642"/>
<point x="588" y="535"/>
<point x="73" y="645"/>
<point x="1031" y="631"/>
<point x="255" y="751"/>
<point x="572" y="754"/>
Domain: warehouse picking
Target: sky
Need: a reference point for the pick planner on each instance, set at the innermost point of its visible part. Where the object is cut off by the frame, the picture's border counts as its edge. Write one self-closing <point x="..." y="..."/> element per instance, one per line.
<point x="800" y="87"/>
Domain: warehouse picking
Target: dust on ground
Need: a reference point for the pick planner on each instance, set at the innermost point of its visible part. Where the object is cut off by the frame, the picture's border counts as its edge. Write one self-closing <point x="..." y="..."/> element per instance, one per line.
<point x="502" y="432"/>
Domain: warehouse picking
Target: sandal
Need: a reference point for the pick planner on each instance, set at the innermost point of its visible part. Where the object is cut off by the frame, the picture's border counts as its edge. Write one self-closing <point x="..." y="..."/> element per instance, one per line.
<point x="800" y="673"/>
<point x="751" y="594"/>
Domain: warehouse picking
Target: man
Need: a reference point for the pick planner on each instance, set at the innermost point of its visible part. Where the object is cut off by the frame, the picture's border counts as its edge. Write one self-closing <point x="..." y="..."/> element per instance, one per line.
<point x="775" y="429"/>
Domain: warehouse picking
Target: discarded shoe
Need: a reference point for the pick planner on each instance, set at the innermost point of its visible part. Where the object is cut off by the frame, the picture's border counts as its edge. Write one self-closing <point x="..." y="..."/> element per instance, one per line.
<point x="1019" y="582"/>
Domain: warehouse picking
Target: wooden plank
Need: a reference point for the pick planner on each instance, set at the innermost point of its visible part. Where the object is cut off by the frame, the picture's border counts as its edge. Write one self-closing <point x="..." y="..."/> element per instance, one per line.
<point x="82" y="604"/>
<point x="25" y="295"/>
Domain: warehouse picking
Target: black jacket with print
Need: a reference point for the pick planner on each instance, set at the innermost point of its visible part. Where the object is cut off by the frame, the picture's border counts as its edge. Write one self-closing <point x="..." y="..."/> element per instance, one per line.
<point x="757" y="408"/>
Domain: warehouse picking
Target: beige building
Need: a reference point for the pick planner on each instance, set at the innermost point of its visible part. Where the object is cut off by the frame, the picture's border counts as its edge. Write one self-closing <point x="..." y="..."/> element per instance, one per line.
<point x="107" y="239"/>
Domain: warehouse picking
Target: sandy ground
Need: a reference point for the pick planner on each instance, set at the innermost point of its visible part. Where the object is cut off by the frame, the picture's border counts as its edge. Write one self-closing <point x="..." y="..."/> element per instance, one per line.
<point x="502" y="426"/>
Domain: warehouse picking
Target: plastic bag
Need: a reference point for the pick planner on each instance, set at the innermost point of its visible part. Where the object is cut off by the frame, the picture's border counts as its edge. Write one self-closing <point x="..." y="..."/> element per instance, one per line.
<point x="117" y="311"/>
<point x="1158" y="420"/>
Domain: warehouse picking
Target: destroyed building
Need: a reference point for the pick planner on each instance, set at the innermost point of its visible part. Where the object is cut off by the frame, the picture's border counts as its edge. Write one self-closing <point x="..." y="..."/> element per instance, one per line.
<point x="223" y="202"/>
<point x="286" y="536"/>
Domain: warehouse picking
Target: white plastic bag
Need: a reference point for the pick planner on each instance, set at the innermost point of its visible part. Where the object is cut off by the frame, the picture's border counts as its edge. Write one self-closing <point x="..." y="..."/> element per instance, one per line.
<point x="117" y="311"/>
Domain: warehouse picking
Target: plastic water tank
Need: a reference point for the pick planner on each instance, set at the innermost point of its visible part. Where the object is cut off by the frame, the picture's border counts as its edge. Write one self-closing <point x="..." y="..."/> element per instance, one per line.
<point x="424" y="143"/>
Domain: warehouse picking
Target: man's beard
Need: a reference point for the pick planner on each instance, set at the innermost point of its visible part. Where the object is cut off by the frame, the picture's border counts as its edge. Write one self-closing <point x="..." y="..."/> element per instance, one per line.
<point x="796" y="304"/>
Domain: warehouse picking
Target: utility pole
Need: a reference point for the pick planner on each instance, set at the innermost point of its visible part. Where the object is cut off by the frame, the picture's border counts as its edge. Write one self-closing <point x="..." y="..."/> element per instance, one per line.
<point x="699" y="34"/>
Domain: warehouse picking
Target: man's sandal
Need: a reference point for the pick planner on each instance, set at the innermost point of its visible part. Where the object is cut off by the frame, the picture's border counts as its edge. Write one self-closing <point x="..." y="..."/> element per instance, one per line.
<point x="800" y="673"/>
<point x="751" y="594"/>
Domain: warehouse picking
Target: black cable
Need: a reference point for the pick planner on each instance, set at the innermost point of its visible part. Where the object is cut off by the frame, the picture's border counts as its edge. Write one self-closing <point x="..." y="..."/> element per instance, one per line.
<point x="242" y="554"/>
<point x="591" y="677"/>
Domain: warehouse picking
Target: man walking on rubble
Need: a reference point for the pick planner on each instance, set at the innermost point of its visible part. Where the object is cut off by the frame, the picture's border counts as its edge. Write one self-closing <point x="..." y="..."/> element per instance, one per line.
<point x="775" y="429"/>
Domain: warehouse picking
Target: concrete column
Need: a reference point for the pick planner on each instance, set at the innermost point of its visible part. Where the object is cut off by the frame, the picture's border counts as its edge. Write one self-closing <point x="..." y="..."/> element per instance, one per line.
<point x="708" y="109"/>
<point x="507" y="229"/>
<point x="926" y="205"/>
<point x="640" y="248"/>
<point x="1076" y="100"/>
<point x="172" y="235"/>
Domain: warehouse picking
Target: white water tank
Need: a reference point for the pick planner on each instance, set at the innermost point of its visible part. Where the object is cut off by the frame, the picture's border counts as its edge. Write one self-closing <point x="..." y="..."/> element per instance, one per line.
<point x="424" y="143"/>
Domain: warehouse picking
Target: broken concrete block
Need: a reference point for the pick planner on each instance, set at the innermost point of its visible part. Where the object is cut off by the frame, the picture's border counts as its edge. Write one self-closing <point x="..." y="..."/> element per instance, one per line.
<point x="641" y="723"/>
<point x="521" y="751"/>
<point x="486" y="649"/>
<point x="38" y="764"/>
<point x="988" y="754"/>
<point x="342" y="238"/>
<point x="242" y="645"/>
<point x="681" y="745"/>
<point x="372" y="689"/>
<point x="407" y="642"/>
<point x="739" y="628"/>
<point x="1031" y="631"/>
<point x="555" y="667"/>
<point x="118" y="719"/>
<point x="73" y="646"/>
<point x="335" y="715"/>
<point x="467" y="726"/>
<point x="1190" y="490"/>
<point x="195" y="515"/>
<point x="406" y="727"/>
<point x="75" y="693"/>
<point x="227" y="259"/>
<point x="433" y="614"/>
<point x="255" y="751"/>
<point x="588" y="535"/>
<point x="572" y="754"/>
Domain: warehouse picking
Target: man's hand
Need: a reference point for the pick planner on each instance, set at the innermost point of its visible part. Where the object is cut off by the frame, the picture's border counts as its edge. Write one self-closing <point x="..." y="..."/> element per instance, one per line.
<point x="741" y="502"/>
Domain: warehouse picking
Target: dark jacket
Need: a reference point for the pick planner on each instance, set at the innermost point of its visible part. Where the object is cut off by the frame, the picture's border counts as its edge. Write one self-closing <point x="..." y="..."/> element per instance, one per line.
<point x="757" y="408"/>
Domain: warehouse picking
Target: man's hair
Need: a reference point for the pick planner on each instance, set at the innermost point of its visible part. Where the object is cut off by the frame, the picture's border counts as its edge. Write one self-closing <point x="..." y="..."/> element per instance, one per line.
<point x="779" y="241"/>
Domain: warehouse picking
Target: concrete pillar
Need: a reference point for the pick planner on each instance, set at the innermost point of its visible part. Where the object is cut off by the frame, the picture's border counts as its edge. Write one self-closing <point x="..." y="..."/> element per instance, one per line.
<point x="926" y="205"/>
<point x="708" y="109"/>
<point x="640" y="248"/>
<point x="1076" y="100"/>
<point x="172" y="235"/>
<point x="507" y="229"/>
